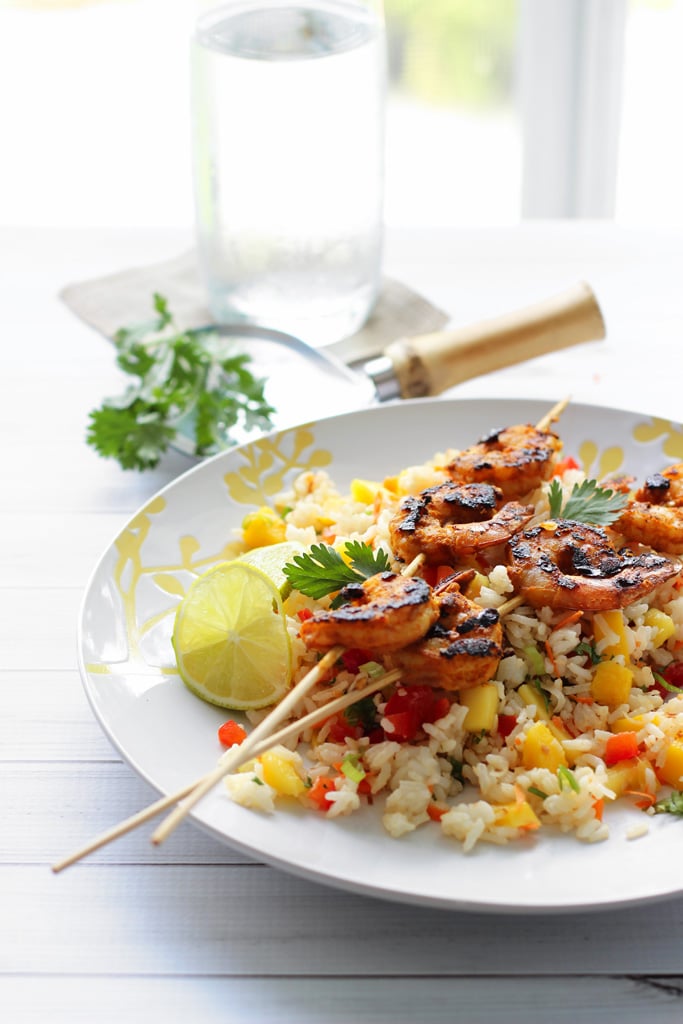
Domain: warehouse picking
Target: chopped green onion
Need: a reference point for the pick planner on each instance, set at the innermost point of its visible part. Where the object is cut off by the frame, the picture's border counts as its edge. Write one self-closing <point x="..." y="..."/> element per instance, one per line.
<point x="565" y="775"/>
<point x="373" y="669"/>
<point x="667" y="686"/>
<point x="534" y="660"/>
<point x="537" y="792"/>
<point x="259" y="782"/>
<point x="351" y="769"/>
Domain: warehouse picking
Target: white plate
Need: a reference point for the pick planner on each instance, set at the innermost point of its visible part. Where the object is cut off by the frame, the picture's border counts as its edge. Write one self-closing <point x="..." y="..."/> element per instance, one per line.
<point x="169" y="737"/>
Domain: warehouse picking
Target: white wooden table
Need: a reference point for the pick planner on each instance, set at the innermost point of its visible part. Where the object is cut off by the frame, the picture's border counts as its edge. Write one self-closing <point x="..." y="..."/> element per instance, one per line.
<point x="193" y="931"/>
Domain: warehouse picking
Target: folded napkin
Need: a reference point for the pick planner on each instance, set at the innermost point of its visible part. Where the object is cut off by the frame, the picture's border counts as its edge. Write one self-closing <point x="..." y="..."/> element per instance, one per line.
<point x="125" y="299"/>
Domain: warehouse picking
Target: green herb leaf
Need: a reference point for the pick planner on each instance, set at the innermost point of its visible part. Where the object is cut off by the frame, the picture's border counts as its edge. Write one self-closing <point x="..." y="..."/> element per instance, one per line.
<point x="192" y="378"/>
<point x="589" y="650"/>
<point x="322" y="570"/>
<point x="587" y="503"/>
<point x="567" y="775"/>
<point x="363" y="712"/>
<point x="672" y="804"/>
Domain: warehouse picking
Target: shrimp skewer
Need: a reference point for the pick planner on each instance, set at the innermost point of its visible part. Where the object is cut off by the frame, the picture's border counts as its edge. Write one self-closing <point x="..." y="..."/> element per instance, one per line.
<point x="574" y="566"/>
<point x="451" y="523"/>
<point x="516" y="459"/>
<point x="655" y="516"/>
<point x="383" y="613"/>
<point x="462" y="649"/>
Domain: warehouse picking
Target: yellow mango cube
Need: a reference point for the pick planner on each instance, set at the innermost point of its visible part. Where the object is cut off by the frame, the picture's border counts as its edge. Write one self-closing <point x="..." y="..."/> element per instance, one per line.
<point x="541" y="749"/>
<point x="625" y="724"/>
<point x="671" y="771"/>
<point x="482" y="707"/>
<point x="662" y="623"/>
<point x="611" y="622"/>
<point x="532" y="696"/>
<point x="517" y="815"/>
<point x="611" y="683"/>
<point x="262" y="528"/>
<point x="627" y="775"/>
<point x="281" y="774"/>
<point x="365" y="491"/>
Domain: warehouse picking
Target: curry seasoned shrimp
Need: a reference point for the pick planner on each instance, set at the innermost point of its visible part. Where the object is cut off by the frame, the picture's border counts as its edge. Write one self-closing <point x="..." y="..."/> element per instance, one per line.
<point x="381" y="614"/>
<point x="450" y="523"/>
<point x="655" y="516"/>
<point x="463" y="647"/>
<point x="574" y="566"/>
<point x="517" y="459"/>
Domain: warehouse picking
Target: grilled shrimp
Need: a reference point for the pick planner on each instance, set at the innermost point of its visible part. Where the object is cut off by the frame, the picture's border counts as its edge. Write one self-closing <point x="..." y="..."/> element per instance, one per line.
<point x="575" y="566"/>
<point x="381" y="614"/>
<point x="517" y="459"/>
<point x="655" y="516"/>
<point x="463" y="648"/>
<point x="449" y="523"/>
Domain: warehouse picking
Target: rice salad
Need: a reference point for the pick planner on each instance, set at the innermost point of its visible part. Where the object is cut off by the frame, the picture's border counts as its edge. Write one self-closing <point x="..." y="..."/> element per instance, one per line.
<point x="584" y="707"/>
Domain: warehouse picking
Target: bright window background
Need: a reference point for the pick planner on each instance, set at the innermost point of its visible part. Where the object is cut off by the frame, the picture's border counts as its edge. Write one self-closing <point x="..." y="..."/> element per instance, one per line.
<point x="95" y="117"/>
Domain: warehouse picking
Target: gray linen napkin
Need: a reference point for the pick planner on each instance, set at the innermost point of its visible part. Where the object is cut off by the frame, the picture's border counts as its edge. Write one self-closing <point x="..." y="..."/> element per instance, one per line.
<point x="125" y="298"/>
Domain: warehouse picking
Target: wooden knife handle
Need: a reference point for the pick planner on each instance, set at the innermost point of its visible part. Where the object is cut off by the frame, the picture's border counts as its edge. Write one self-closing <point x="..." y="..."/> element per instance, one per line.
<point x="431" y="363"/>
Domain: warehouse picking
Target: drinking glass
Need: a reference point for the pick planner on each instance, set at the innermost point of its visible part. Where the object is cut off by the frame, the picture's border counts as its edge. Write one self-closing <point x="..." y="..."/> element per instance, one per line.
<point x="288" y="101"/>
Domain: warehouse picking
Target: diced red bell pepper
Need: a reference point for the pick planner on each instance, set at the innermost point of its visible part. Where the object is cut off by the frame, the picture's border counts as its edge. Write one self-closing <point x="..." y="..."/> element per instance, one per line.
<point x="340" y="729"/>
<point x="673" y="675"/>
<point x="563" y="465"/>
<point x="409" y="707"/>
<point x="354" y="657"/>
<point x="623" y="746"/>
<point x="319" y="790"/>
<point x="231" y="732"/>
<point x="506" y="724"/>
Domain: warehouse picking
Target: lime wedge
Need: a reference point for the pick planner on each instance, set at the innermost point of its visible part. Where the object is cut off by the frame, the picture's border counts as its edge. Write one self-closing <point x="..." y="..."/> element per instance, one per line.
<point x="271" y="559"/>
<point x="230" y="638"/>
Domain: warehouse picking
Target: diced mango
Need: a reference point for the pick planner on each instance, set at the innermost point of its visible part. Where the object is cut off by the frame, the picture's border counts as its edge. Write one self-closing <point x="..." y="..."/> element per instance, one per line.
<point x="662" y="623"/>
<point x="517" y="815"/>
<point x="611" y="683"/>
<point x="541" y="749"/>
<point x="532" y="696"/>
<point x="634" y="724"/>
<point x="390" y="483"/>
<point x="609" y="622"/>
<point x="474" y="588"/>
<point x="262" y="528"/>
<point x="556" y="727"/>
<point x="627" y="775"/>
<point x="365" y="491"/>
<point x="671" y="771"/>
<point x="482" y="707"/>
<point x="281" y="774"/>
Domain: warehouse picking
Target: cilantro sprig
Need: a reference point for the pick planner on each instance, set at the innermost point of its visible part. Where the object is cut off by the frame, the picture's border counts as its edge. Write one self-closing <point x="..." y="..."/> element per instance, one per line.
<point x="322" y="570"/>
<point x="192" y="379"/>
<point x="587" y="503"/>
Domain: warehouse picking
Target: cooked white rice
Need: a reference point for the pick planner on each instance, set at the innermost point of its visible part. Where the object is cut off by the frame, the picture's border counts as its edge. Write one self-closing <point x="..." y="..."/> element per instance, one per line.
<point x="471" y="787"/>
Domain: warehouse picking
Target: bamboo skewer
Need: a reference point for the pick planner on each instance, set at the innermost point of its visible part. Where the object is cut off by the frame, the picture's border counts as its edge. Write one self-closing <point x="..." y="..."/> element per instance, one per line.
<point x="287" y="733"/>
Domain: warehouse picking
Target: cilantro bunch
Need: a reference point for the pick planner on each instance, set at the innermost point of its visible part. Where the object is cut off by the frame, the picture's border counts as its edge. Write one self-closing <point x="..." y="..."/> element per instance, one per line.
<point x="192" y="379"/>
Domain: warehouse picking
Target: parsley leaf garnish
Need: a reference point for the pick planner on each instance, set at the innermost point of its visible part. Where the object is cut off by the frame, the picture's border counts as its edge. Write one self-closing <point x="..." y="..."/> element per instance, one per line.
<point x="672" y="804"/>
<point x="587" y="503"/>
<point x="193" y="378"/>
<point x="322" y="570"/>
